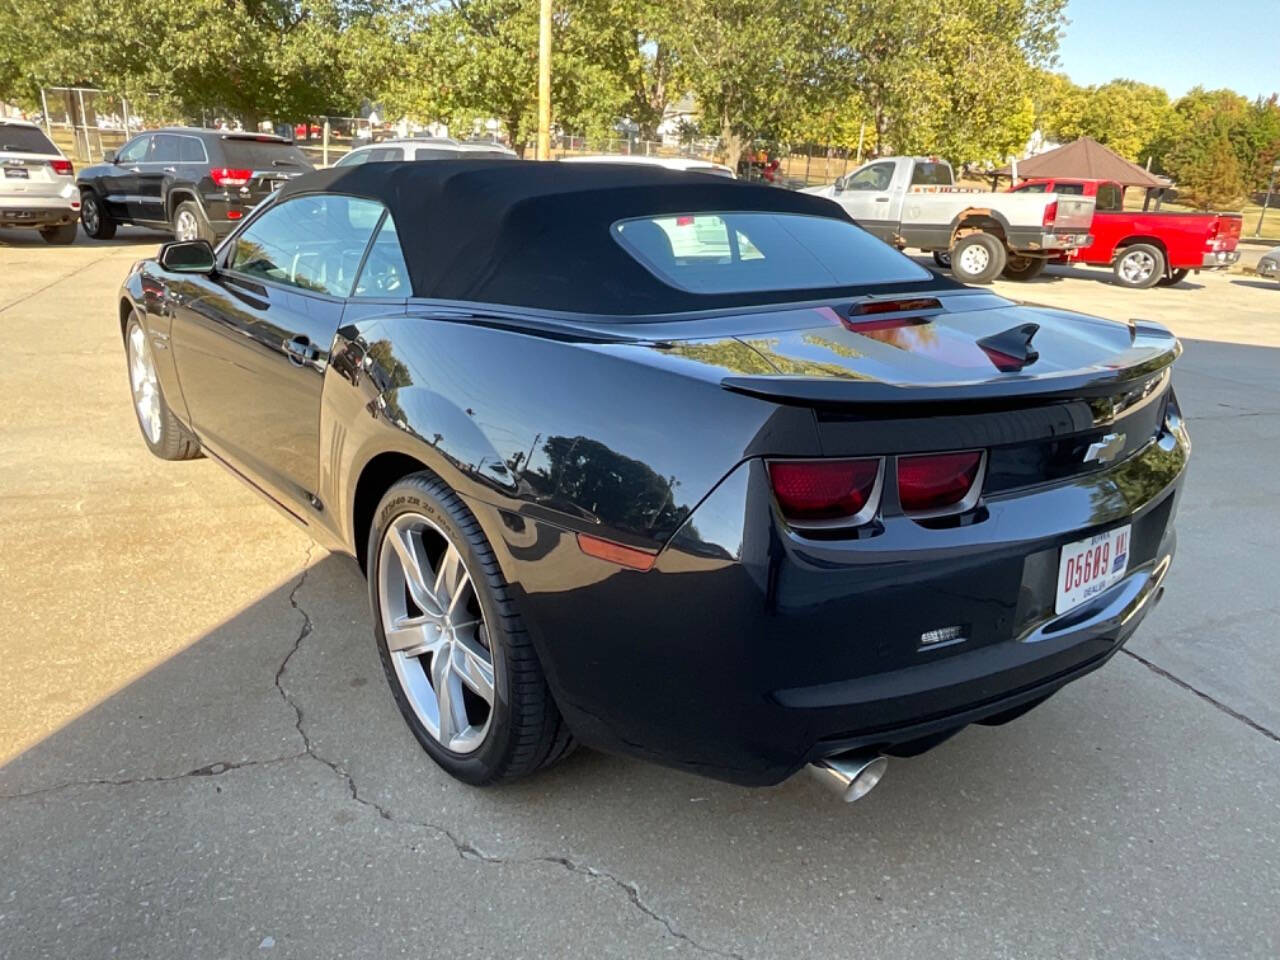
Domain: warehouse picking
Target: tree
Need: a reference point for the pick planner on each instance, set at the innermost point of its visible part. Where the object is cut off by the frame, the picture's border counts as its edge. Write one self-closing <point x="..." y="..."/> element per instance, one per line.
<point x="1127" y="116"/>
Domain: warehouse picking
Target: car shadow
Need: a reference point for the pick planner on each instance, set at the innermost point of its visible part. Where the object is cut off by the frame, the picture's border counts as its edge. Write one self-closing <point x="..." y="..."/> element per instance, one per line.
<point x="125" y="237"/>
<point x="1260" y="284"/>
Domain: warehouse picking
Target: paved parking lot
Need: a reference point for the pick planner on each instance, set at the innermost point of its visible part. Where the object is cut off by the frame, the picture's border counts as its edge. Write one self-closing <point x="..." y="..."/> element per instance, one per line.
<point x="199" y="758"/>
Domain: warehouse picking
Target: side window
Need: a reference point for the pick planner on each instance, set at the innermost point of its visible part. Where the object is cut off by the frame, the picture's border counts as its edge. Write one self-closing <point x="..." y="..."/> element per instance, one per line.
<point x="191" y="150"/>
<point x="1033" y="188"/>
<point x="385" y="273"/>
<point x="878" y="176"/>
<point x="1070" y="189"/>
<point x="931" y="173"/>
<point x="1110" y="197"/>
<point x="312" y="242"/>
<point x="354" y="158"/>
<point x="135" y="151"/>
<point x="164" y="149"/>
<point x="385" y="154"/>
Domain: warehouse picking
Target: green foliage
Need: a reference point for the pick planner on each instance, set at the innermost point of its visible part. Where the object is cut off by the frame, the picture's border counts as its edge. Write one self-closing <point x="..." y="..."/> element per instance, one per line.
<point x="1127" y="116"/>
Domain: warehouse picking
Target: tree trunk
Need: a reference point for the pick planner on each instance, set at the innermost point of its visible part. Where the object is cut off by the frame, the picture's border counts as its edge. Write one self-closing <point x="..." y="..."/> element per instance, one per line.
<point x="732" y="145"/>
<point x="513" y="130"/>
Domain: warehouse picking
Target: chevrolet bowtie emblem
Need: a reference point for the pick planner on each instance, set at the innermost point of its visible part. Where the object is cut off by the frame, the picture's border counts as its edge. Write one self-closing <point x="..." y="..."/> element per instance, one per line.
<point x="1106" y="449"/>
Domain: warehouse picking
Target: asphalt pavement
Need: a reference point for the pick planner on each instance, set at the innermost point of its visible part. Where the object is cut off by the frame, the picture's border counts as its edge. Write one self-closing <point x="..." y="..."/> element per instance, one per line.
<point x="199" y="756"/>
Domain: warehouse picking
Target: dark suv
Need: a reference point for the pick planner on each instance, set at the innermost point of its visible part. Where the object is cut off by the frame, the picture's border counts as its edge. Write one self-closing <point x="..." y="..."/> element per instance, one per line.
<point x="195" y="183"/>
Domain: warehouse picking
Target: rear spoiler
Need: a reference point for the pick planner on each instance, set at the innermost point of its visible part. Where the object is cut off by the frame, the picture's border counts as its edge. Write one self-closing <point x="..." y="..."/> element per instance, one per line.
<point x="1146" y="360"/>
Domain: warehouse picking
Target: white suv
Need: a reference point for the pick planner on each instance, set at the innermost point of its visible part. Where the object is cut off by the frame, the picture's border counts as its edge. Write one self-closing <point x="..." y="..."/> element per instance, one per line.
<point x="37" y="183"/>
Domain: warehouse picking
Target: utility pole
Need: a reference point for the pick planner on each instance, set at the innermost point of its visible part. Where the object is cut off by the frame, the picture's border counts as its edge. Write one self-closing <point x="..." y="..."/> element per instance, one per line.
<point x="544" y="81"/>
<point x="1266" y="200"/>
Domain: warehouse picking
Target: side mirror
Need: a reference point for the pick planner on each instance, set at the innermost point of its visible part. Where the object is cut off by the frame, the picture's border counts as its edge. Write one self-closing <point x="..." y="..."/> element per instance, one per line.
<point x="838" y="185"/>
<point x="187" y="256"/>
<point x="109" y="156"/>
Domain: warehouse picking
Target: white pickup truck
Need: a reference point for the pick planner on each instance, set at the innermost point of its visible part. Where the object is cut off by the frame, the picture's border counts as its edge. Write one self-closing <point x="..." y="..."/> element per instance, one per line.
<point x="913" y="202"/>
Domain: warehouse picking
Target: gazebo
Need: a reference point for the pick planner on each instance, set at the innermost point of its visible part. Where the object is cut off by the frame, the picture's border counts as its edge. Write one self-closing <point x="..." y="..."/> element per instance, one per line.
<point x="1087" y="159"/>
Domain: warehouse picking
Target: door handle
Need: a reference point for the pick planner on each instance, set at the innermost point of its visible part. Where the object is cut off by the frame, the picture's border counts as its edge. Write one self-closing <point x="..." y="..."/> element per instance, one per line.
<point x="882" y="199"/>
<point x="170" y="169"/>
<point x="135" y="169"/>
<point x="300" y="350"/>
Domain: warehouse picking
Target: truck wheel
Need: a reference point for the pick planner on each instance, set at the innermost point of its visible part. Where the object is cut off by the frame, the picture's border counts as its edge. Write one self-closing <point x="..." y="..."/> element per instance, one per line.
<point x="1174" y="278"/>
<point x="94" y="218"/>
<point x="977" y="258"/>
<point x="189" y="223"/>
<point x="1024" y="268"/>
<point x="942" y="258"/>
<point x="1139" y="266"/>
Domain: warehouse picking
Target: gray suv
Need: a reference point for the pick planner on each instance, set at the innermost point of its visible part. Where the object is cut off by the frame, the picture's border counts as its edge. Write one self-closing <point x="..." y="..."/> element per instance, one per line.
<point x="37" y="183"/>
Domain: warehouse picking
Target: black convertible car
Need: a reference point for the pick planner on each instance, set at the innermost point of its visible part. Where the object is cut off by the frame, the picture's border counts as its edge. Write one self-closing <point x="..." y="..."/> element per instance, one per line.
<point x="668" y="464"/>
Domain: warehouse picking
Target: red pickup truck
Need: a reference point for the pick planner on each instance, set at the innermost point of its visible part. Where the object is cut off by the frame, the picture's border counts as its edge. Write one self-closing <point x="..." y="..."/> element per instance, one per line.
<point x="1146" y="247"/>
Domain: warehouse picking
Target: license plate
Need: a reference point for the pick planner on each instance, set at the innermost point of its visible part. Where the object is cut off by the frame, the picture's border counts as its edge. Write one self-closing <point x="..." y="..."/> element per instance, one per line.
<point x="1087" y="567"/>
<point x="17" y="173"/>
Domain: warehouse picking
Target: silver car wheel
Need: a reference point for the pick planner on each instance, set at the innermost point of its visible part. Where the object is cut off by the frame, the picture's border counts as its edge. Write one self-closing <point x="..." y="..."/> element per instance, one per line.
<point x="146" y="387"/>
<point x="89" y="214"/>
<point x="974" y="259"/>
<point x="435" y="632"/>
<point x="1137" y="266"/>
<point x="185" y="226"/>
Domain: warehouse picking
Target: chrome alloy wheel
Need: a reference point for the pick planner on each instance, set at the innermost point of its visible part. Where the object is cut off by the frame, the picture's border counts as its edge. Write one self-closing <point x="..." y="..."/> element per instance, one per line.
<point x="89" y="214"/>
<point x="974" y="259"/>
<point x="185" y="226"/>
<point x="435" y="632"/>
<point x="146" y="388"/>
<point x="1137" y="266"/>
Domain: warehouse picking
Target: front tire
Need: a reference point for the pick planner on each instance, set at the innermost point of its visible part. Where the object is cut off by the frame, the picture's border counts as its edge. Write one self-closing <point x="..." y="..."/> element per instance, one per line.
<point x="942" y="258"/>
<point x="1024" y="268"/>
<point x="1174" y="278"/>
<point x="978" y="258"/>
<point x="461" y="666"/>
<point x="62" y="235"/>
<point x="163" y="433"/>
<point x="94" y="218"/>
<point x="190" y="223"/>
<point x="1139" y="266"/>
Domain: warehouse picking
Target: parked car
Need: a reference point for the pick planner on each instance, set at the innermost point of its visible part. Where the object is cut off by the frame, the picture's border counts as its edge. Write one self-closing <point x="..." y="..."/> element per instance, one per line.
<point x="912" y="202"/>
<point x="195" y="183"/>
<point x="37" y="185"/>
<point x="693" y="505"/>
<point x="1269" y="263"/>
<point x="1146" y="248"/>
<point x="686" y="164"/>
<point x="423" y="148"/>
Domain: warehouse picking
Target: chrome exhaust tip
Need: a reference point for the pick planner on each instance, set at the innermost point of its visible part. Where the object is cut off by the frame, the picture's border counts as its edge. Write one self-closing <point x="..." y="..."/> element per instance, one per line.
<point x="851" y="775"/>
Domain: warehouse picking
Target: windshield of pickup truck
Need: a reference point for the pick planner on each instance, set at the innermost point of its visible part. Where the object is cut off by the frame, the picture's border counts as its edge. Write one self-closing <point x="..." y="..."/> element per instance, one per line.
<point x="931" y="174"/>
<point x="749" y="252"/>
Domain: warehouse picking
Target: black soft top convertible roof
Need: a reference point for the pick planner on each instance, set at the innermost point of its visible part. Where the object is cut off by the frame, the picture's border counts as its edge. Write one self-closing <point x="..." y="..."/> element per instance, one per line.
<point x="538" y="234"/>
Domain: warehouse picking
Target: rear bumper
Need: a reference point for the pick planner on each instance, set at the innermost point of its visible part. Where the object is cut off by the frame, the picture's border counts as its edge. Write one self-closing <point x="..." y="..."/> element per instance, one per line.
<point x="1268" y="267"/>
<point x="748" y="651"/>
<point x="1220" y="260"/>
<point x="32" y="211"/>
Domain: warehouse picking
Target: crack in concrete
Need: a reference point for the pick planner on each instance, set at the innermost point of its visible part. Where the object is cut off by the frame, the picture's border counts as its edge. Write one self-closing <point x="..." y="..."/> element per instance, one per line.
<point x="1234" y="714"/>
<point x="48" y="286"/>
<point x="215" y="769"/>
<point x="463" y="848"/>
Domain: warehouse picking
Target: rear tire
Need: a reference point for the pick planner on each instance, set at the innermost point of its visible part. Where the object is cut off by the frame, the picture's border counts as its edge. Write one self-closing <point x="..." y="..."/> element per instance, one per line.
<point x="942" y="258"/>
<point x="978" y="258"/>
<point x="190" y="223"/>
<point x="1173" y="279"/>
<point x="63" y="235"/>
<point x="1024" y="268"/>
<point x="94" y="218"/>
<point x="163" y="433"/>
<point x="1139" y="266"/>
<point x="502" y="722"/>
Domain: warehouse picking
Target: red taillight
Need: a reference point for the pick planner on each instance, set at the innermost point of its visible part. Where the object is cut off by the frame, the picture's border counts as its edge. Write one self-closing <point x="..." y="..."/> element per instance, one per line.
<point x="1050" y="214"/>
<point x="62" y="167"/>
<point x="937" y="480"/>
<point x="234" y="214"/>
<point x="684" y="221"/>
<point x="227" y="177"/>
<point x="824" y="489"/>
<point x="870" y="308"/>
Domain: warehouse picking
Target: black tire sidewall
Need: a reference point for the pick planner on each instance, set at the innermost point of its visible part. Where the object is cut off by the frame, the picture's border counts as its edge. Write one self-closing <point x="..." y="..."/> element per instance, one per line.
<point x="61" y="235"/>
<point x="421" y="493"/>
<point x="203" y="230"/>
<point x="106" y="228"/>
<point x="1035" y="266"/>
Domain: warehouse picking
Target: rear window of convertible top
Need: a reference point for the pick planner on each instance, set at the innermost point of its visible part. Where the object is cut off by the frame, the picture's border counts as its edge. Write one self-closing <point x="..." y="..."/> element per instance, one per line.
<point x="754" y="251"/>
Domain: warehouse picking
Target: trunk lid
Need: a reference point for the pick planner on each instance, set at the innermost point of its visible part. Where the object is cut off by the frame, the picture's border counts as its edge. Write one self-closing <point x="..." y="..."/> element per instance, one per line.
<point x="30" y="175"/>
<point x="1075" y="213"/>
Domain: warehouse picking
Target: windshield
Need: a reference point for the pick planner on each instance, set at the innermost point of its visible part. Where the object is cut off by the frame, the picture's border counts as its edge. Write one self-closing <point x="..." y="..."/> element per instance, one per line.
<point x="263" y="154"/>
<point x="15" y="138"/>
<point x="749" y="252"/>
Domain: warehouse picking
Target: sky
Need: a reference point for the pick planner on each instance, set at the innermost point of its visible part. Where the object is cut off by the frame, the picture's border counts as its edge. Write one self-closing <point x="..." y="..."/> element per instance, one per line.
<point x="1175" y="44"/>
